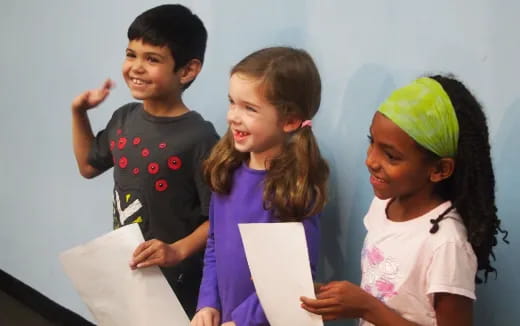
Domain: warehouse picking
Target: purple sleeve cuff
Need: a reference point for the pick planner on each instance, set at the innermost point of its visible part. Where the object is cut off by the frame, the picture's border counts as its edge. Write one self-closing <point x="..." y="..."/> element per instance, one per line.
<point x="249" y="313"/>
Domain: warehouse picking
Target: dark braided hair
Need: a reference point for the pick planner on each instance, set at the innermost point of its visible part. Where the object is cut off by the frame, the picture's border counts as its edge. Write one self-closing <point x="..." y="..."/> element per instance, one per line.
<point x="471" y="188"/>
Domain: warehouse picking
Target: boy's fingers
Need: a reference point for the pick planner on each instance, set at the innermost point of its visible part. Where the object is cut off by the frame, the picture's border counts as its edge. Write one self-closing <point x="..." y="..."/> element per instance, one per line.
<point x="83" y="98"/>
<point x="149" y="262"/>
<point x="145" y="254"/>
<point x="140" y="248"/>
<point x="141" y="254"/>
<point x="108" y="84"/>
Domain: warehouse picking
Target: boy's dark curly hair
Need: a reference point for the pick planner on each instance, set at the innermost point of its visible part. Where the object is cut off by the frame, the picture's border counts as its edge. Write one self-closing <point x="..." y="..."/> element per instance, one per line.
<point x="471" y="188"/>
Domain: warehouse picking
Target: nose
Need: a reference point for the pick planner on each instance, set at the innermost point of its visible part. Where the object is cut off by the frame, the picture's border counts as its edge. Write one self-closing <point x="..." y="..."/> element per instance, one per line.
<point x="371" y="160"/>
<point x="233" y="116"/>
<point x="137" y="66"/>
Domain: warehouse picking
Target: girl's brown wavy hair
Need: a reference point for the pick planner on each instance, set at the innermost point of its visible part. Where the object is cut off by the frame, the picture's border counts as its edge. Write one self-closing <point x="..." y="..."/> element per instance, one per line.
<point x="295" y="186"/>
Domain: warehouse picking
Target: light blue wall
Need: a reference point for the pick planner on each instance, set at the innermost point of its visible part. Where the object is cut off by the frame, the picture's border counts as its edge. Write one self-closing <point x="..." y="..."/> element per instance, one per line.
<point x="52" y="50"/>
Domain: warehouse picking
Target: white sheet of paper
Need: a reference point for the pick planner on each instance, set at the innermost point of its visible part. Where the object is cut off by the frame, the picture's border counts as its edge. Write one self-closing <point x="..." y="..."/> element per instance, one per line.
<point x="115" y="294"/>
<point x="279" y="263"/>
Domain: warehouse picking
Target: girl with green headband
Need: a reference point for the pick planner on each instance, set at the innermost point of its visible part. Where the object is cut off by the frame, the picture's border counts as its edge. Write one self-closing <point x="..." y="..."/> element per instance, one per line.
<point x="433" y="222"/>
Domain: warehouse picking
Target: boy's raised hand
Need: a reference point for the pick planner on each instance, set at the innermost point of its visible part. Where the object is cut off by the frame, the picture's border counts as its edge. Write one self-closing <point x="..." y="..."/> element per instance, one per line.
<point x="155" y="252"/>
<point x="339" y="299"/>
<point x="91" y="98"/>
<point x="206" y="316"/>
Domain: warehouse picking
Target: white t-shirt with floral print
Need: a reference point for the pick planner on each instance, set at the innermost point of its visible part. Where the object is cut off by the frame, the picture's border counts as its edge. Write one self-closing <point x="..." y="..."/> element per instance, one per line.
<point x="404" y="265"/>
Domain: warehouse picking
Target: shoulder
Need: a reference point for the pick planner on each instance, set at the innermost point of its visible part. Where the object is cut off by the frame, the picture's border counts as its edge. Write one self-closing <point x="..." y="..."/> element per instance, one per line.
<point x="376" y="212"/>
<point x="127" y="110"/>
<point x="200" y="128"/>
<point x="451" y="240"/>
<point x="452" y="263"/>
<point x="451" y="230"/>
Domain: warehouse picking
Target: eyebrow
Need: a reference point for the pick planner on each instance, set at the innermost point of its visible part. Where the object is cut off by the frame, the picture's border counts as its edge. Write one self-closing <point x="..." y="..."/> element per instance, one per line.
<point x="256" y="106"/>
<point x="385" y="145"/>
<point x="147" y="53"/>
<point x="390" y="147"/>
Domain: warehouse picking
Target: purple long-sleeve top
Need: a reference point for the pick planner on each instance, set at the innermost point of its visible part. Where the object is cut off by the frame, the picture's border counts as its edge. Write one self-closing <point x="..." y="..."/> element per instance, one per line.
<point x="226" y="283"/>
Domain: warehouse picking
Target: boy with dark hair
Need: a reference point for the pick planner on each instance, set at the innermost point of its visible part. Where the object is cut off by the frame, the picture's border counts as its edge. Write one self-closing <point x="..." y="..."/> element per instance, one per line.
<point x="156" y="146"/>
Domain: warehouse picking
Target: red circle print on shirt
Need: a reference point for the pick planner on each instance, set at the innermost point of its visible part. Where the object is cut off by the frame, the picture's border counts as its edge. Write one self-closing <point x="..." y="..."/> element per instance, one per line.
<point x="162" y="145"/>
<point x="153" y="168"/>
<point x="123" y="162"/>
<point x="174" y="162"/>
<point x="121" y="143"/>
<point x="136" y="141"/>
<point x="119" y="132"/>
<point x="145" y="152"/>
<point x="135" y="171"/>
<point x="161" y="185"/>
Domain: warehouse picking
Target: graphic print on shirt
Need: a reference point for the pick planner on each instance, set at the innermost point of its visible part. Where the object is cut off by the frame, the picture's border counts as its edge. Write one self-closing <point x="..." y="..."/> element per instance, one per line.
<point x="380" y="273"/>
<point x="152" y="173"/>
<point x="127" y="208"/>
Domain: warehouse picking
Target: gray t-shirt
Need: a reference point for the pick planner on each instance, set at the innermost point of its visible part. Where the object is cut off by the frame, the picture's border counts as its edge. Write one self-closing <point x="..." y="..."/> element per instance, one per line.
<point x="157" y="174"/>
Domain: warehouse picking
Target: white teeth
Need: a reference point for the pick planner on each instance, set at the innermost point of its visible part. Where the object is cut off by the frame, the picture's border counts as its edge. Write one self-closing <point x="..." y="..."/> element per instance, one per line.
<point x="137" y="81"/>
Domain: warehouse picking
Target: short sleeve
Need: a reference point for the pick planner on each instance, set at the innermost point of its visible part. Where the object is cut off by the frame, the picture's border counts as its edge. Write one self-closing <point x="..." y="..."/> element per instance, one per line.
<point x="100" y="154"/>
<point x="452" y="270"/>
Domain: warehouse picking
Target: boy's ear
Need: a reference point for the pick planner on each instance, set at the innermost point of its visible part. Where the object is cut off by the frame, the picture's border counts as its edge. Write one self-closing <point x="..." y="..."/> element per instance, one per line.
<point x="190" y="70"/>
<point x="292" y="124"/>
<point x="443" y="169"/>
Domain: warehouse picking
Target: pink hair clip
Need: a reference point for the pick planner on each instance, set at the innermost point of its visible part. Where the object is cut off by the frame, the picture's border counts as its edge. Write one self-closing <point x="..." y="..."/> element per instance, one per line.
<point x="307" y="123"/>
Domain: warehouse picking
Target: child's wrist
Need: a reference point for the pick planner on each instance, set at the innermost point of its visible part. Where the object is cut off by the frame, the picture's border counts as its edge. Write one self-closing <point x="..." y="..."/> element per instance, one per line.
<point x="78" y="109"/>
<point x="372" y="310"/>
<point x="179" y="249"/>
<point x="378" y="313"/>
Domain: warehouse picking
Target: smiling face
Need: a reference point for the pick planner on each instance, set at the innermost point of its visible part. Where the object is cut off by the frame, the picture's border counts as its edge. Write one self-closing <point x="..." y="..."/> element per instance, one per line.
<point x="253" y="121"/>
<point x="148" y="71"/>
<point x="398" y="167"/>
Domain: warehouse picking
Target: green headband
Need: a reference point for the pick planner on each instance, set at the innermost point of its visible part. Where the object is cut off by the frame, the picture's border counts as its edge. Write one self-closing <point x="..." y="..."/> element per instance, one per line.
<point x="424" y="111"/>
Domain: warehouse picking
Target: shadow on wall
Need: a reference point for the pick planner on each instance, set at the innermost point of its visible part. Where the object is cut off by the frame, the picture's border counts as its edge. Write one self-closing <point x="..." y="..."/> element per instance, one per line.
<point x="506" y="155"/>
<point x="344" y="144"/>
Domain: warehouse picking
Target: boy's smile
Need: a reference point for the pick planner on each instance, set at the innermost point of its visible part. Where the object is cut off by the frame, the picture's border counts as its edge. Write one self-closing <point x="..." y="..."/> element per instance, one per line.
<point x="148" y="71"/>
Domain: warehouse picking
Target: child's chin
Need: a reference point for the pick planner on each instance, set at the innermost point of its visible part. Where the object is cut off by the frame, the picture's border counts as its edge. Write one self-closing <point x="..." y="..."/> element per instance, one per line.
<point x="240" y="148"/>
<point x="139" y="97"/>
<point x="382" y="196"/>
